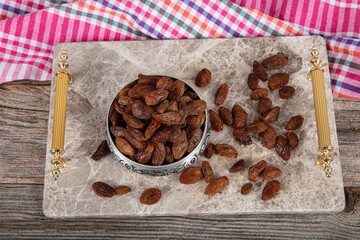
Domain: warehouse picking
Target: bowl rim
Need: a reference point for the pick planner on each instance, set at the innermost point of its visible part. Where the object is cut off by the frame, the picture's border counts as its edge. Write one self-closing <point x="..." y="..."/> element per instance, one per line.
<point x="166" y="166"/>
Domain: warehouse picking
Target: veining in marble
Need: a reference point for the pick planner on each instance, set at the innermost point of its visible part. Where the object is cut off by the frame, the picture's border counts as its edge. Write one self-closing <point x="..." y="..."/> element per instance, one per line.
<point x="101" y="69"/>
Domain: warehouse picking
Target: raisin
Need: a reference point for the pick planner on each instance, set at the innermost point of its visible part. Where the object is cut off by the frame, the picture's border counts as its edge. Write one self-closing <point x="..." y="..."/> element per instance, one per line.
<point x="168" y="118"/>
<point x="124" y="91"/>
<point x="133" y="141"/>
<point x="169" y="158"/>
<point x="164" y="83"/>
<point x="119" y="108"/>
<point x="221" y="94"/>
<point x="270" y="173"/>
<point x="207" y="171"/>
<point x="272" y="115"/>
<point x="155" y="97"/>
<point x="151" y="129"/>
<point x="139" y="91"/>
<point x="196" y="107"/>
<point x="159" y="153"/>
<point x="179" y="148"/>
<point x="101" y="151"/>
<point x="195" y="121"/>
<point x="216" y="185"/>
<point x="162" y="134"/>
<point x="144" y="155"/>
<point x="270" y="190"/>
<point x="259" y="93"/>
<point x="253" y="81"/>
<point x="278" y="80"/>
<point x="203" y="78"/>
<point x="124" y="146"/>
<point x="191" y="94"/>
<point x="259" y="70"/>
<point x="121" y="190"/>
<point x="141" y="110"/>
<point x="194" y="138"/>
<point x="125" y="100"/>
<point x="238" y="166"/>
<point x="264" y="105"/>
<point x="138" y="134"/>
<point x="268" y="137"/>
<point x="282" y="148"/>
<point x="172" y="107"/>
<point x="103" y="190"/>
<point x="292" y="139"/>
<point x="226" y="150"/>
<point x="191" y="175"/>
<point x="256" y="170"/>
<point x="239" y="116"/>
<point x="216" y="122"/>
<point x="286" y="92"/>
<point x="295" y="122"/>
<point x="275" y="61"/>
<point x="184" y="101"/>
<point x="246" y="188"/>
<point x="150" y="196"/>
<point x="133" y="121"/>
<point x="178" y="88"/>
<point x="226" y="115"/>
<point x="118" y="131"/>
<point x="209" y="150"/>
<point x="116" y="119"/>
<point x="147" y="79"/>
<point x="161" y="108"/>
<point x="173" y="96"/>
<point x="241" y="135"/>
<point x="256" y="127"/>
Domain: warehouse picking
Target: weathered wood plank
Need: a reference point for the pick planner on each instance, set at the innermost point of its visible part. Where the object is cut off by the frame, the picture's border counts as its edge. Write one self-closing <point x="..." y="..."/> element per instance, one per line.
<point x="21" y="216"/>
<point x="23" y="131"/>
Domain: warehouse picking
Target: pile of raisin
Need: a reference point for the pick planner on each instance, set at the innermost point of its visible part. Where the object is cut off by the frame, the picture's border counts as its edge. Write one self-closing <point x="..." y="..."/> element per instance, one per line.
<point x="157" y="120"/>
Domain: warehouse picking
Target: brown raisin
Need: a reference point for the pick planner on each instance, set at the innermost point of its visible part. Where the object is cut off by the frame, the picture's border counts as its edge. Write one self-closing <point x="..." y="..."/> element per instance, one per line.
<point x="256" y="170"/>
<point x="151" y="129"/>
<point x="226" y="115"/>
<point x="191" y="175"/>
<point x="133" y="121"/>
<point x="226" y="150"/>
<point x="259" y="70"/>
<point x="125" y="100"/>
<point x="207" y="171"/>
<point x="268" y="137"/>
<point x="138" y="134"/>
<point x="216" y="122"/>
<point x="115" y="119"/>
<point x="292" y="139"/>
<point x="195" y="121"/>
<point x="162" y="134"/>
<point x="164" y="83"/>
<point x="221" y="94"/>
<point x="118" y="131"/>
<point x="141" y="110"/>
<point x="101" y="151"/>
<point x="158" y="156"/>
<point x="150" y="196"/>
<point x="256" y="127"/>
<point x="272" y="115"/>
<point x="216" y="185"/>
<point x="238" y="166"/>
<point x="168" y="118"/>
<point x="147" y="79"/>
<point x="209" y="150"/>
<point x="275" y="61"/>
<point x="161" y="108"/>
<point x="241" y="135"/>
<point x="270" y="173"/>
<point x="144" y="155"/>
<point x="133" y="141"/>
<point x="194" y="138"/>
<point x="264" y="105"/>
<point x="295" y="122"/>
<point x="196" y="107"/>
<point x="103" y="190"/>
<point x="246" y="188"/>
<point x="169" y="158"/>
<point x="155" y="97"/>
<point x="270" y="190"/>
<point x="278" y="80"/>
<point x="124" y="146"/>
<point x="239" y="116"/>
<point x="282" y="148"/>
<point x="122" y="190"/>
<point x="172" y="107"/>
<point x="139" y="91"/>
<point x="179" y="148"/>
<point x="179" y="88"/>
<point x="286" y="92"/>
<point x="253" y="81"/>
<point x="203" y="78"/>
<point x="191" y="94"/>
<point x="259" y="93"/>
<point x="173" y="96"/>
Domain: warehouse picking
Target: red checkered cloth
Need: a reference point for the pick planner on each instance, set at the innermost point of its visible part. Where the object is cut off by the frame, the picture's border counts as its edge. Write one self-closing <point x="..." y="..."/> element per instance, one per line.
<point x="30" y="29"/>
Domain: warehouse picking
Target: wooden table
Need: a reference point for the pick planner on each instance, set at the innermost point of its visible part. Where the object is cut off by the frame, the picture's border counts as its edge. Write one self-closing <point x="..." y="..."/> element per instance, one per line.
<point x="24" y="113"/>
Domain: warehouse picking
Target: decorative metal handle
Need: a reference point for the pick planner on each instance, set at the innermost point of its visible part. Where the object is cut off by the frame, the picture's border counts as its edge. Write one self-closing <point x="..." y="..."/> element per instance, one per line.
<point x="322" y="121"/>
<point x="63" y="78"/>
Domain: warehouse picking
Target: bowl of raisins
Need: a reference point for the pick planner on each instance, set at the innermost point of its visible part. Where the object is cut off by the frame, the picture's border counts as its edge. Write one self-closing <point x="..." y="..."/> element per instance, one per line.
<point x="157" y="125"/>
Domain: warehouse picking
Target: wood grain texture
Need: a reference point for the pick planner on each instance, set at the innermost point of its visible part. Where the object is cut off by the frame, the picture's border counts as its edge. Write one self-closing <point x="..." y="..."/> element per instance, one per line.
<point x="23" y="131"/>
<point x="21" y="216"/>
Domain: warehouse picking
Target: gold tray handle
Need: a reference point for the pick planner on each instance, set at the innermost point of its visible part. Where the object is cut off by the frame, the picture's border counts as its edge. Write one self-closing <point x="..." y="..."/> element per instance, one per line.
<point x="63" y="78"/>
<point x="322" y="121"/>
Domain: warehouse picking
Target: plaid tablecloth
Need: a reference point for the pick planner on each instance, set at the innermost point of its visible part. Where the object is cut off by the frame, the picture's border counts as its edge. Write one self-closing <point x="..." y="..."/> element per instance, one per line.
<point x="29" y="29"/>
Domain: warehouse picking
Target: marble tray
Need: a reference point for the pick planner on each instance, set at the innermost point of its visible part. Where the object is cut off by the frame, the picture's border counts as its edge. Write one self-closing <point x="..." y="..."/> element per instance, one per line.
<point x="101" y="69"/>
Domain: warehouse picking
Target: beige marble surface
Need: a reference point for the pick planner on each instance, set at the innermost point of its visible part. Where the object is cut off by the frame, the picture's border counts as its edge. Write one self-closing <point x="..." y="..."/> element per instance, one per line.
<point x="100" y="69"/>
